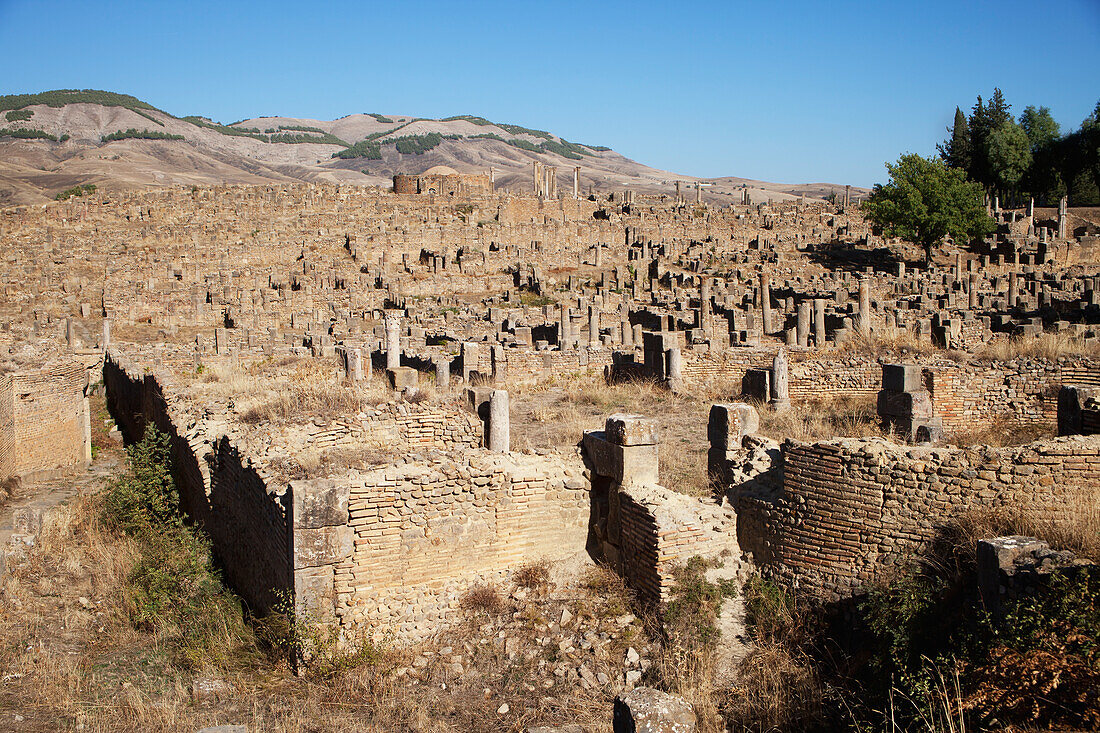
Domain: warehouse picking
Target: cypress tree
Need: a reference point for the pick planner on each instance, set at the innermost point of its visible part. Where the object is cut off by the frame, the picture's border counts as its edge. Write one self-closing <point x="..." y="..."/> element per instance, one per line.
<point x="956" y="150"/>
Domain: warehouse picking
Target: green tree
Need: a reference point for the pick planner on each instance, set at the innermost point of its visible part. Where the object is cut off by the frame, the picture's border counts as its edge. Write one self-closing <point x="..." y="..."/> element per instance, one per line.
<point x="925" y="201"/>
<point x="1009" y="153"/>
<point x="1040" y="126"/>
<point x="956" y="149"/>
<point x="984" y="119"/>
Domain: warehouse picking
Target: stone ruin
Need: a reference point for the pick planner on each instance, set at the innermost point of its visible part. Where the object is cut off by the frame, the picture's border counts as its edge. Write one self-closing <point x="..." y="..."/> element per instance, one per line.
<point x="459" y="300"/>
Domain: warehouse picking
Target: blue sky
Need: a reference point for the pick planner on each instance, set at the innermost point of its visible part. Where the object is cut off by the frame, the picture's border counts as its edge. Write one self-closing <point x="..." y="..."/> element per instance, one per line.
<point x="780" y="91"/>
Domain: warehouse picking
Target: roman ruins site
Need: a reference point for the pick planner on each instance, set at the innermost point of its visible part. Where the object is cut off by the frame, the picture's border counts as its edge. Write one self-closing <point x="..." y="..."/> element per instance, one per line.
<point x="355" y="380"/>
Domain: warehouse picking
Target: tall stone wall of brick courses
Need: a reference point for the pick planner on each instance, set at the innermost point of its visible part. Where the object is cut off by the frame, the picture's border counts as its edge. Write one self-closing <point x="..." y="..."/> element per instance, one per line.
<point x="425" y="533"/>
<point x="247" y="519"/>
<point x="808" y="378"/>
<point x="48" y="413"/>
<point x="660" y="530"/>
<point x="844" y="512"/>
<point x="1025" y="391"/>
<point x="8" y="451"/>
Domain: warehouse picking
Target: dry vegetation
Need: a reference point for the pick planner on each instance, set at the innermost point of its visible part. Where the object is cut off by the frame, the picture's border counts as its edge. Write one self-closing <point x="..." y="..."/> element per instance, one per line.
<point x="72" y="655"/>
<point x="554" y="415"/>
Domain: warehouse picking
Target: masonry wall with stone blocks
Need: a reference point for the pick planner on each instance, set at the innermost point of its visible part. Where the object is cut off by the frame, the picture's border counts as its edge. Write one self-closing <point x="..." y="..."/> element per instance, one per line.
<point x="249" y="522"/>
<point x="838" y="514"/>
<point x="43" y="418"/>
<point x="640" y="529"/>
<point x="421" y="534"/>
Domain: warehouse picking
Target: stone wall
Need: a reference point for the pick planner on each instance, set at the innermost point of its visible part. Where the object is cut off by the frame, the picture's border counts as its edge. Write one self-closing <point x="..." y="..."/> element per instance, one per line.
<point x="832" y="516"/>
<point x="248" y="521"/>
<point x="423" y="533"/>
<point x="43" y="418"/>
<point x="390" y="550"/>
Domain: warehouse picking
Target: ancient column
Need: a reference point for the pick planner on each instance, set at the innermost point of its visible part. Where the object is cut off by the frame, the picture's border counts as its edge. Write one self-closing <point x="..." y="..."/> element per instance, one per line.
<point x="780" y="399"/>
<point x="1012" y="290"/>
<point x="354" y="365"/>
<point x="819" y="323"/>
<point x="393" y="342"/>
<point x="865" y="306"/>
<point x="802" y="330"/>
<point x="1062" y="217"/>
<point x="577" y="182"/>
<point x="766" y="302"/>
<point x="106" y="334"/>
<point x="593" y="327"/>
<point x="499" y="429"/>
<point x="443" y="373"/>
<point x="972" y="296"/>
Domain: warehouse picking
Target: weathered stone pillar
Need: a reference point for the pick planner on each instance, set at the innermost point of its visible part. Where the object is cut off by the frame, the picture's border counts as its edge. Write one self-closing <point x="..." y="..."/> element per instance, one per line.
<point x="443" y="373"/>
<point x="593" y="327"/>
<point x="865" y="306"/>
<point x="780" y="398"/>
<point x="972" y="295"/>
<point x="393" y="342"/>
<point x="499" y="428"/>
<point x="766" y="302"/>
<point x="1013" y="290"/>
<point x="802" y="330"/>
<point x="576" y="182"/>
<point x="106" y="334"/>
<point x="221" y="341"/>
<point x="354" y="365"/>
<point x="819" y="323"/>
<point x="1062" y="217"/>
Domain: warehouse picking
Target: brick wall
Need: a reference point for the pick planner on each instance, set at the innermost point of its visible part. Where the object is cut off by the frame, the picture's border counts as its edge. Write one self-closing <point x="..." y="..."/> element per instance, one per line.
<point x="842" y="512"/>
<point x="42" y="416"/>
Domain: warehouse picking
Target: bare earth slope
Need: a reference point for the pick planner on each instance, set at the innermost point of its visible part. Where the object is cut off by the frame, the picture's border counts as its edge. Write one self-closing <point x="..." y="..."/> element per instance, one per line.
<point x="250" y="151"/>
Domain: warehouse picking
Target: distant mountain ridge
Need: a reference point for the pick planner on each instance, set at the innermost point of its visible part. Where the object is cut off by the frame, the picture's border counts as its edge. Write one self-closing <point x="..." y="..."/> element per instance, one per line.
<point x="52" y="141"/>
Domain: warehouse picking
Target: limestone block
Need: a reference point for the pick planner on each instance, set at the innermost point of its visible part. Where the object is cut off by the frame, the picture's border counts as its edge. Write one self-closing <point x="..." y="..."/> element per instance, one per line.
<point x="320" y="503"/>
<point x="905" y="404"/>
<point x="402" y="378"/>
<point x="624" y="429"/>
<point x="729" y="423"/>
<point x="646" y="710"/>
<point x="628" y="465"/>
<point x="322" y="545"/>
<point x="901" y="377"/>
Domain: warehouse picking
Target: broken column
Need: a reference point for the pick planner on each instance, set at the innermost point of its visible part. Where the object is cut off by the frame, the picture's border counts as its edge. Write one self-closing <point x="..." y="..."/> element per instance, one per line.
<point x="780" y="398"/>
<point x="393" y="342"/>
<point x="354" y="365"/>
<point x="865" y="307"/>
<point x="499" y="427"/>
<point x="727" y="426"/>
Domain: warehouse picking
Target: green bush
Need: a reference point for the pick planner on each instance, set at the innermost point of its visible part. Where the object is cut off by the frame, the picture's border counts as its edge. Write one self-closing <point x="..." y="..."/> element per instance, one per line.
<point x="692" y="614"/>
<point x="62" y="97"/>
<point x="416" y="144"/>
<point x="135" y="134"/>
<point x="368" y="149"/>
<point x="85" y="190"/>
<point x="146" y="498"/>
<point x="174" y="590"/>
<point x="17" y="115"/>
<point x="25" y="133"/>
<point x="384" y="120"/>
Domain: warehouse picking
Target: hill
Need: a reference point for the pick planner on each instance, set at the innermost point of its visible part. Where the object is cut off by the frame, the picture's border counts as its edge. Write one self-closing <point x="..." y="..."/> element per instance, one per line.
<point x="55" y="140"/>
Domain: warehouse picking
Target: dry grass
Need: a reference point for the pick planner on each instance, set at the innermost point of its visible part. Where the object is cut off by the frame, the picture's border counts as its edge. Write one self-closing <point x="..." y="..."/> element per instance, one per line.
<point x="1076" y="529"/>
<point x="1043" y="346"/>
<point x="1001" y="431"/>
<point x="827" y="417"/>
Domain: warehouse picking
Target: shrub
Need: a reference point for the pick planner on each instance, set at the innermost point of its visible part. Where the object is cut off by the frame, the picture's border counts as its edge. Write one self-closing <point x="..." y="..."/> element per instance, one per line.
<point x="384" y="120"/>
<point x="692" y="614"/>
<point x="135" y="134"/>
<point x="482" y="598"/>
<point x="19" y="115"/>
<point x="532" y="575"/>
<point x="368" y="149"/>
<point x="86" y="190"/>
<point x="146" y="498"/>
<point x="26" y="133"/>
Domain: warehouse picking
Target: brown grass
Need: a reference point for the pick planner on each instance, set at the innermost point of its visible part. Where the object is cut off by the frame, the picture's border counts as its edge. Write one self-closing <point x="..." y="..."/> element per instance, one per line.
<point x="1001" y="431"/>
<point x="1043" y="346"/>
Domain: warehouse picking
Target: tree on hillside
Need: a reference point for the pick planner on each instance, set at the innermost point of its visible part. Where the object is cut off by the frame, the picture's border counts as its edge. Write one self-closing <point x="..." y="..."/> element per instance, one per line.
<point x="925" y="201"/>
<point x="956" y="150"/>
<point x="1009" y="155"/>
